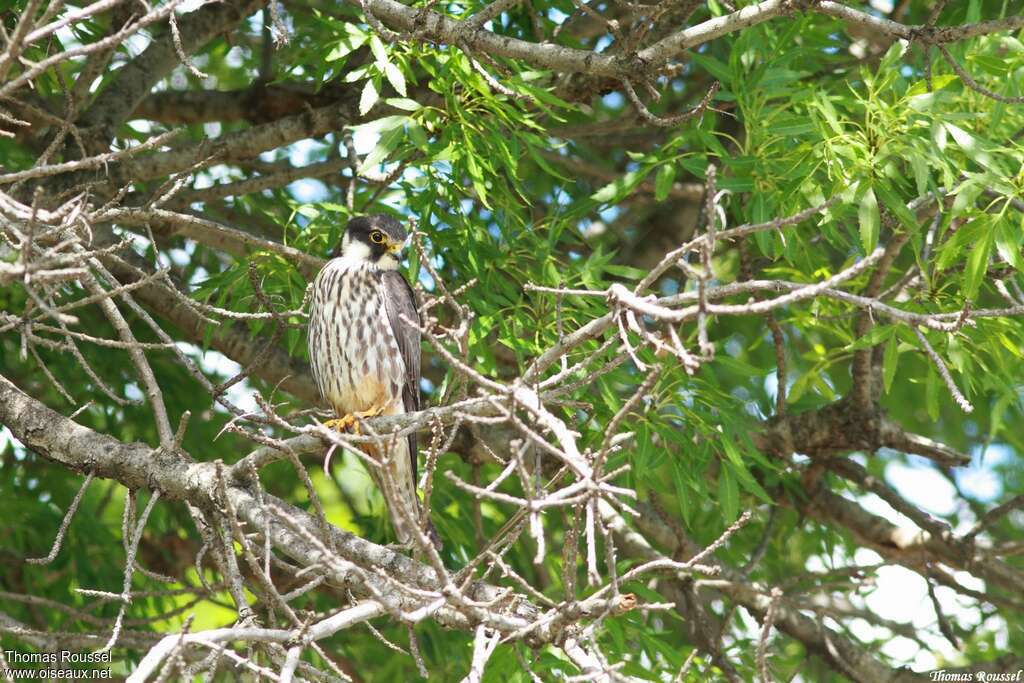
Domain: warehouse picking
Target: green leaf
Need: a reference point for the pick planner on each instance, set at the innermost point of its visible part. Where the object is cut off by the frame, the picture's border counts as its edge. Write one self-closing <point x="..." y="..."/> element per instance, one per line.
<point x="617" y="189"/>
<point x="892" y="56"/>
<point x="939" y="81"/>
<point x="741" y="471"/>
<point x="1008" y="242"/>
<point x="368" y="98"/>
<point x="968" y="234"/>
<point x="967" y="193"/>
<point x="626" y="272"/>
<point x="896" y="205"/>
<point x="870" y="221"/>
<point x="381" y="125"/>
<point x="875" y="336"/>
<point x="352" y="40"/>
<point x="477" y="178"/>
<point x="974" y="11"/>
<point x="791" y="126"/>
<point x="380" y="54"/>
<point x="403" y="103"/>
<point x="977" y="263"/>
<point x="889" y="360"/>
<point x="395" y="77"/>
<point x="920" y="167"/>
<point x="975" y="149"/>
<point x="731" y="451"/>
<point x="828" y="110"/>
<point x="385" y="146"/>
<point x="418" y="135"/>
<point x="663" y="181"/>
<point x="356" y="75"/>
<point x="713" y="66"/>
<point x="681" y="490"/>
<point x="728" y="493"/>
<point x="759" y="211"/>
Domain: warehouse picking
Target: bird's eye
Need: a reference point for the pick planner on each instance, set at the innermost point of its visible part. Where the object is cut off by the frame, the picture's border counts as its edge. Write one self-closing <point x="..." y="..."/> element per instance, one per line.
<point x="377" y="237"/>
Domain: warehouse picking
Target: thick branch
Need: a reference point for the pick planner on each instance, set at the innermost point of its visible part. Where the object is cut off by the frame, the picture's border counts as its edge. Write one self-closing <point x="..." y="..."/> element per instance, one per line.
<point x="441" y="29"/>
<point x="134" y="82"/>
<point x="245" y="144"/>
<point x="259" y="104"/>
<point x="219" y="236"/>
<point x="176" y="477"/>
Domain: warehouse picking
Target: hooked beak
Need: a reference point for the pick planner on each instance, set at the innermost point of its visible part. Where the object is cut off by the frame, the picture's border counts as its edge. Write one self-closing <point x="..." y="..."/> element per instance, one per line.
<point x="395" y="248"/>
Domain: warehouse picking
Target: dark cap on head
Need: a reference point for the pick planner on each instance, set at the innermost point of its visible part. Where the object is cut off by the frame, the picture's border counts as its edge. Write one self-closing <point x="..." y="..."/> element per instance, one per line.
<point x="378" y="231"/>
<point x="364" y="225"/>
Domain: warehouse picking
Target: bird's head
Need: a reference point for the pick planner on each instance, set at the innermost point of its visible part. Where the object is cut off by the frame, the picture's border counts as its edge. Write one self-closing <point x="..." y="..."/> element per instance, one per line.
<point x="376" y="239"/>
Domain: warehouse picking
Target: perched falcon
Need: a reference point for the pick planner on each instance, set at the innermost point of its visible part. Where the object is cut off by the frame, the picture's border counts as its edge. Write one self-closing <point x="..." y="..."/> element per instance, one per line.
<point x="366" y="356"/>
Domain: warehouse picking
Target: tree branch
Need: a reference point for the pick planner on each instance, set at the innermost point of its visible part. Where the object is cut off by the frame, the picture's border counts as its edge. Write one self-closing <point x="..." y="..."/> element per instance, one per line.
<point x="137" y="78"/>
<point x="367" y="566"/>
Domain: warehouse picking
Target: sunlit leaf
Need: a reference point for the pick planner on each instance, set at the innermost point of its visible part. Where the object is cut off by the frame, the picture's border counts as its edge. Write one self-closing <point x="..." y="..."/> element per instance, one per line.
<point x="663" y="181"/>
<point x="368" y="98"/>
<point x="869" y="219"/>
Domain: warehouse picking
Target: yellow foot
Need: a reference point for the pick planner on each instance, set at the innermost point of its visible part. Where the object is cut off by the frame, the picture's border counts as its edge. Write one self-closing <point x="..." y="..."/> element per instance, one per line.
<point x="344" y="424"/>
<point x="350" y="422"/>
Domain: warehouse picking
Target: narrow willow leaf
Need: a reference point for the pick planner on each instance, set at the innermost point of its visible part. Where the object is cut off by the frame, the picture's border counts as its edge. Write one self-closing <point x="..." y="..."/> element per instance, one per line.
<point x="875" y="336"/>
<point x="939" y="81"/>
<point x="870" y="221"/>
<point x="477" y="178"/>
<point x="728" y="493"/>
<point x="750" y="484"/>
<point x="368" y="98"/>
<point x="380" y="54"/>
<point x="894" y="203"/>
<point x="617" y="189"/>
<point x="357" y="75"/>
<point x="968" y="234"/>
<point x="395" y="77"/>
<point x="663" y="181"/>
<point x="1008" y="242"/>
<point x="893" y="55"/>
<point x="626" y="272"/>
<point x="385" y="146"/>
<point x="681" y="489"/>
<point x="403" y="103"/>
<point x="977" y="263"/>
<point x="889" y="361"/>
<point x="828" y="110"/>
<point x="920" y="166"/>
<point x="353" y="39"/>
<point x="975" y="149"/>
<point x="381" y="125"/>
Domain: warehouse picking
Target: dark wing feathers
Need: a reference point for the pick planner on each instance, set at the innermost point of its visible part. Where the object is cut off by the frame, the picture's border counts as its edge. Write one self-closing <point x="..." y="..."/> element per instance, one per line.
<point x="400" y="303"/>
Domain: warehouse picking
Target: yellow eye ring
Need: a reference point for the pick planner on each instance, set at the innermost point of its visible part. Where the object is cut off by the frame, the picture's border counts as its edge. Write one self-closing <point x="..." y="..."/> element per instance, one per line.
<point x="377" y="237"/>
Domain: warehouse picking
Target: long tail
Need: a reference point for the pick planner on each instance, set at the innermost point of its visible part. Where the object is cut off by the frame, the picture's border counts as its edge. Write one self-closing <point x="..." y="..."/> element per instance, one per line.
<point x="396" y="482"/>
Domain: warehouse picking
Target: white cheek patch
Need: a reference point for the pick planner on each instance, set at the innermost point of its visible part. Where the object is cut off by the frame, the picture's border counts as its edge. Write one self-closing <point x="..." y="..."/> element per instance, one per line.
<point x="355" y="251"/>
<point x="388" y="262"/>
